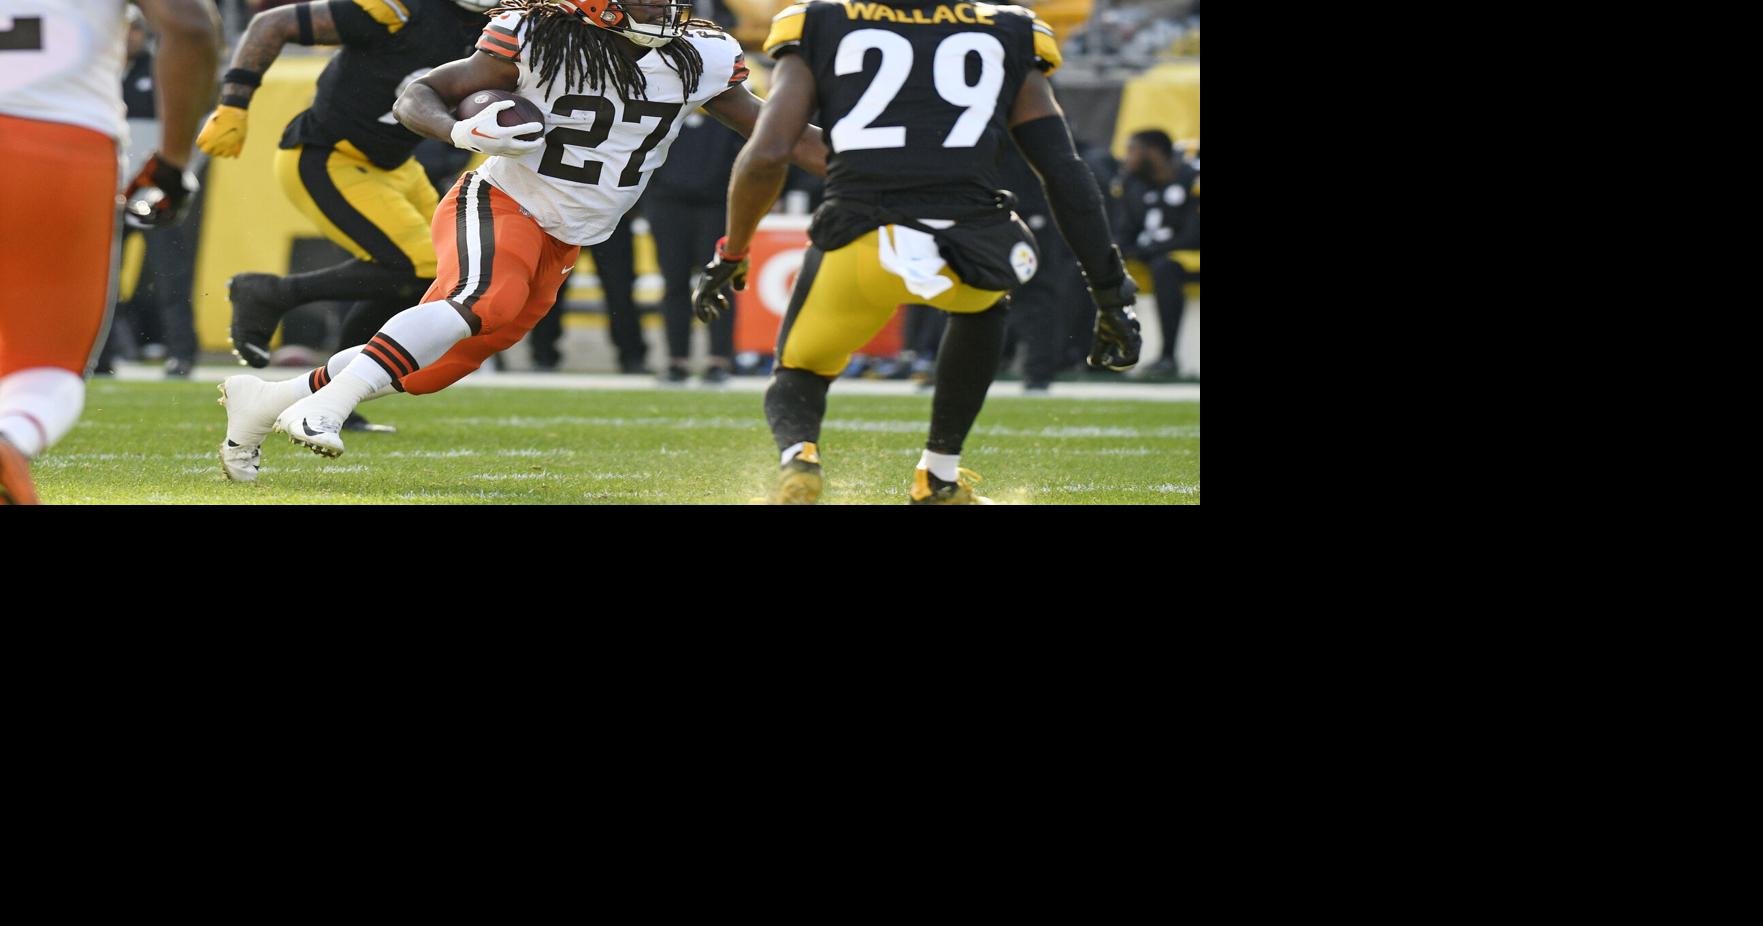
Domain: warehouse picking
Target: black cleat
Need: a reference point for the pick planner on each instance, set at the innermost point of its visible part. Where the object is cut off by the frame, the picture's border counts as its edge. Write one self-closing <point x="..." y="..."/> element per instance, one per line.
<point x="257" y="311"/>
<point x="357" y="423"/>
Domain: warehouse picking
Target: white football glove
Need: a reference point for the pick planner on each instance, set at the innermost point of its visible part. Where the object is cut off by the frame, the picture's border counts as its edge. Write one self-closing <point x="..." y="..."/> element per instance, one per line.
<point x="482" y="133"/>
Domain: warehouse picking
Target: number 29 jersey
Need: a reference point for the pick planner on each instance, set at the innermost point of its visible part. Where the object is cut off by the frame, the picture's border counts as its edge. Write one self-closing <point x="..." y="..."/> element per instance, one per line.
<point x="915" y="95"/>
<point x="600" y="149"/>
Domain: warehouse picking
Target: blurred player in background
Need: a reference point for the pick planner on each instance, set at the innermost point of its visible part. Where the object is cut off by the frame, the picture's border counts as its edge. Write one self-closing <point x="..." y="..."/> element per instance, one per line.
<point x="62" y="121"/>
<point x="918" y="97"/>
<point x="614" y="78"/>
<point x="1159" y="194"/>
<point x="346" y="162"/>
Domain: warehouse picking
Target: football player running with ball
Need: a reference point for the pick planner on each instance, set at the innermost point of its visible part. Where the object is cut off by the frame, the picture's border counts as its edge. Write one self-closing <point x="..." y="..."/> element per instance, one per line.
<point x="918" y="97"/>
<point x="345" y="163"/>
<point x="61" y="121"/>
<point x="615" y="79"/>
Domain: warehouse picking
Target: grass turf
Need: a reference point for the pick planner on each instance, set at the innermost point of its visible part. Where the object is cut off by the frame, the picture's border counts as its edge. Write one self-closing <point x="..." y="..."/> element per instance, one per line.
<point x="155" y="443"/>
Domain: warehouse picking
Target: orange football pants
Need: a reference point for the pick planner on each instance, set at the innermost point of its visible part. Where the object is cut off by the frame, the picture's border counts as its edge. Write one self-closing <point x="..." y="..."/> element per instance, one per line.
<point x="498" y="268"/>
<point x="58" y="217"/>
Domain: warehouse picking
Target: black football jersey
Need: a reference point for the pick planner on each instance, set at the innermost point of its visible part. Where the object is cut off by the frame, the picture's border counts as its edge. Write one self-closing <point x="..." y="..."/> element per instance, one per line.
<point x="386" y="45"/>
<point x="915" y="96"/>
<point x="1159" y="218"/>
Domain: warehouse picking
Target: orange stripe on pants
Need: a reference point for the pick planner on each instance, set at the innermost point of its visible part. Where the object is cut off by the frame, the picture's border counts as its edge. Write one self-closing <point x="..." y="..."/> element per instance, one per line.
<point x="58" y="215"/>
<point x="498" y="264"/>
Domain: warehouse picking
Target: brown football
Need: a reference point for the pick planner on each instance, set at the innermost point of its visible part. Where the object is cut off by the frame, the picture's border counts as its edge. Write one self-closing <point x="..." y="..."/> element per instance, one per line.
<point x="522" y="112"/>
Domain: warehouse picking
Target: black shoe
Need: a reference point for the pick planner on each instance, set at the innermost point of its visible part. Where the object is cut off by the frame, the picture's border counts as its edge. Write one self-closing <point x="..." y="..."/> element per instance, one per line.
<point x="1164" y="367"/>
<point x="179" y="368"/>
<point x="1040" y="386"/>
<point x="257" y="310"/>
<point x="357" y="423"/>
<point x="675" y="376"/>
<point x="715" y="375"/>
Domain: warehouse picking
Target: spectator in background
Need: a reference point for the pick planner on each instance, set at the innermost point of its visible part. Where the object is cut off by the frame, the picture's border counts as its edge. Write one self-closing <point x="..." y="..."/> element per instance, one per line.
<point x="686" y="205"/>
<point x="1159" y="200"/>
<point x="615" y="262"/>
<point x="1041" y="311"/>
<point x="159" y="312"/>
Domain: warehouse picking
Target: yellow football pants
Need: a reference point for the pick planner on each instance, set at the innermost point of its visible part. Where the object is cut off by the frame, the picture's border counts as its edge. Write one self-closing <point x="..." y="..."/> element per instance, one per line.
<point x="375" y="214"/>
<point x="844" y="297"/>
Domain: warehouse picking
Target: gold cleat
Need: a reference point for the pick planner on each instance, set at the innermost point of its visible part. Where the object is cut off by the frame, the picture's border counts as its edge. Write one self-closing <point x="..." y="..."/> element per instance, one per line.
<point x="798" y="482"/>
<point x="929" y="490"/>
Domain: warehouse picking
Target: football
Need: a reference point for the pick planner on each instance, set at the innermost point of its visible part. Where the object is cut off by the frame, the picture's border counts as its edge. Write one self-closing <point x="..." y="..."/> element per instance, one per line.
<point x="522" y="112"/>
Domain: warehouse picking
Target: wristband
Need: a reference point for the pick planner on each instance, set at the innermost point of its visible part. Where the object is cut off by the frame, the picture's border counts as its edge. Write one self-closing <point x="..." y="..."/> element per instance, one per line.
<point x="722" y="244"/>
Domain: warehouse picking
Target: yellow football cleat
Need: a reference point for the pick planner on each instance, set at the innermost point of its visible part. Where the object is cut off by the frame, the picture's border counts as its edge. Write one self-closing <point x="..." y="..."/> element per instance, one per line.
<point x="929" y="490"/>
<point x="798" y="482"/>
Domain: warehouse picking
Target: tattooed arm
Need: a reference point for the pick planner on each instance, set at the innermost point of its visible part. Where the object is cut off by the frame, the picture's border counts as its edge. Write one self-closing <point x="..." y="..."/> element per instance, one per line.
<point x="223" y="136"/>
<point x="272" y="29"/>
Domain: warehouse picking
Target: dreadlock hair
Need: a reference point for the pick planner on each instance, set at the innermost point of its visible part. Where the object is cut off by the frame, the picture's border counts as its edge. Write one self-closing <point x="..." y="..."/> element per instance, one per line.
<point x="563" y="46"/>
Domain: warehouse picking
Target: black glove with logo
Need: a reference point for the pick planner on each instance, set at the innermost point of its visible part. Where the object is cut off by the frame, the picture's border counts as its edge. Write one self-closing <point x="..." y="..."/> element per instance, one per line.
<point x="708" y="302"/>
<point x="1117" y="340"/>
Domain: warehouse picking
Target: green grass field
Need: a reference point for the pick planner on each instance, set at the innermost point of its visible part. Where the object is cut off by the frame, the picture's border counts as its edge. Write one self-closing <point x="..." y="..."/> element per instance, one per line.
<point x="154" y="443"/>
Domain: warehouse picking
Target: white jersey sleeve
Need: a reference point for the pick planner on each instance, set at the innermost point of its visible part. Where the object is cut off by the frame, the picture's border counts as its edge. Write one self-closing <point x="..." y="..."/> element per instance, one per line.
<point x="600" y="148"/>
<point x="63" y="61"/>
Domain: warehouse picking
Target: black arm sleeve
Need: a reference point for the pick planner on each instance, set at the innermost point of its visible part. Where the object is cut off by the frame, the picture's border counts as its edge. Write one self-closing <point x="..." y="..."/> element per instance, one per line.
<point x="1074" y="197"/>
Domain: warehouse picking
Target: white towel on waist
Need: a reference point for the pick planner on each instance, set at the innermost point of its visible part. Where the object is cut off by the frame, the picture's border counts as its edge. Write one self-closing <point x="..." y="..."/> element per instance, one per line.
<point x="912" y="256"/>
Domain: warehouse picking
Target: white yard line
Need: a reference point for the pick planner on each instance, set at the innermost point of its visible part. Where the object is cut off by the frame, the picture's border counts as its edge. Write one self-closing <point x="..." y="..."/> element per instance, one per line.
<point x="607" y="382"/>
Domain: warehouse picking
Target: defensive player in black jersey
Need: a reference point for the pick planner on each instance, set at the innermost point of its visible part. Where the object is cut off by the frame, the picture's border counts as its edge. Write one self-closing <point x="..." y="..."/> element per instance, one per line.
<point x="346" y="162"/>
<point x="917" y="97"/>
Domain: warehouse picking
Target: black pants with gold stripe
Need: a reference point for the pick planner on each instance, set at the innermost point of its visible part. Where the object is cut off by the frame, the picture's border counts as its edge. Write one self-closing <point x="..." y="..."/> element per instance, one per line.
<point x="375" y="214"/>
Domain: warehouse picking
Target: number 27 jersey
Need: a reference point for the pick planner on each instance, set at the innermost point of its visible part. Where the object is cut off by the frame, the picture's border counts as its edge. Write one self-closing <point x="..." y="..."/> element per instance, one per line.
<point x="915" y="95"/>
<point x="600" y="149"/>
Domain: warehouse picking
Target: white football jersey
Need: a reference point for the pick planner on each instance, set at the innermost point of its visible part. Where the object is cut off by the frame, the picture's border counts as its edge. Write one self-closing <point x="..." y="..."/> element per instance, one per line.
<point x="600" y="149"/>
<point x="62" y="61"/>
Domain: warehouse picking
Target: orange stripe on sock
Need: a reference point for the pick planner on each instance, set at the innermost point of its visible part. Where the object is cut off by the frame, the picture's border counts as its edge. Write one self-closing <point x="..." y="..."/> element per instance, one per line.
<point x="378" y="353"/>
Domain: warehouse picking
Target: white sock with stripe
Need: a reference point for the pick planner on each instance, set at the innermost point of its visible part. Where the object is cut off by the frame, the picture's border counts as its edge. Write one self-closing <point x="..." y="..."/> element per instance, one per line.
<point x="39" y="406"/>
<point x="278" y="396"/>
<point x="411" y="340"/>
<point x="340" y="361"/>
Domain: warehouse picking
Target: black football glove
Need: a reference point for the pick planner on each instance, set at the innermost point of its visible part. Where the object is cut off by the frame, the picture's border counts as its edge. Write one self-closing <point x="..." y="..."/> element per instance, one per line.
<point x="165" y="195"/>
<point x="1117" y="340"/>
<point x="708" y="302"/>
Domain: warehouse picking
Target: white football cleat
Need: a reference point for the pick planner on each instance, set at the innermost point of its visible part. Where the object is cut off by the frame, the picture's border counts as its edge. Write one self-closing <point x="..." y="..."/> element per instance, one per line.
<point x="250" y="414"/>
<point x="311" y="428"/>
<point x="239" y="463"/>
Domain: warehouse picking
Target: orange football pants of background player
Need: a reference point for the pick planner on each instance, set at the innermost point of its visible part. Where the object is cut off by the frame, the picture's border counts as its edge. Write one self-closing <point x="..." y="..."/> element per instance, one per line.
<point x="58" y="216"/>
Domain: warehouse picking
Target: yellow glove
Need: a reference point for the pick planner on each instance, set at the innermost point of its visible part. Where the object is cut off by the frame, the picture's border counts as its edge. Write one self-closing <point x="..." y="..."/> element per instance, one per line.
<point x="224" y="135"/>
